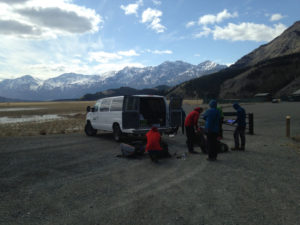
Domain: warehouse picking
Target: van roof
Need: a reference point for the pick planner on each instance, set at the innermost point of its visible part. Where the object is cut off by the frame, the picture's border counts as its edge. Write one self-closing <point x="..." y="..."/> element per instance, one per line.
<point x="144" y="96"/>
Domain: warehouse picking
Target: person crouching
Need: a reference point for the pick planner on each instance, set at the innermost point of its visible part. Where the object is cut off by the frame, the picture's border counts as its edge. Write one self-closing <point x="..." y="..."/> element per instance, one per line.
<point x="154" y="147"/>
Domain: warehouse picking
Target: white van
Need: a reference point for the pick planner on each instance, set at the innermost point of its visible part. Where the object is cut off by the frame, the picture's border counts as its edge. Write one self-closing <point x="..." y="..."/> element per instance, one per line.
<point x="134" y="114"/>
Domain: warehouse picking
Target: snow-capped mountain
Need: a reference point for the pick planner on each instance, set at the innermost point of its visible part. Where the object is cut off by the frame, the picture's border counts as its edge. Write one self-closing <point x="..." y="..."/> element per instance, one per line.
<point x="71" y="85"/>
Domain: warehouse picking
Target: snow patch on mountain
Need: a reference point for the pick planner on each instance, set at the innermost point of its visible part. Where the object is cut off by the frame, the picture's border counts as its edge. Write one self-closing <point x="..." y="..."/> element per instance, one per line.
<point x="71" y="85"/>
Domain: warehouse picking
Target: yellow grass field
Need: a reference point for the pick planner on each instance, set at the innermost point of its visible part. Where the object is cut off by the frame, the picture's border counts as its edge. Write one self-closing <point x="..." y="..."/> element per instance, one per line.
<point x="72" y="118"/>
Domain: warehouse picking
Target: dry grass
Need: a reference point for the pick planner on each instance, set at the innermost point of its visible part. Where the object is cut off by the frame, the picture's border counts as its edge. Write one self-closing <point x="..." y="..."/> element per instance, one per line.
<point x="73" y="120"/>
<point x="193" y="102"/>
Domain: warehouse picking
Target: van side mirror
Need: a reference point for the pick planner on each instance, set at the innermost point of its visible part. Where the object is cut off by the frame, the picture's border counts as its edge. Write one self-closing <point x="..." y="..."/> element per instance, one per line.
<point x="88" y="109"/>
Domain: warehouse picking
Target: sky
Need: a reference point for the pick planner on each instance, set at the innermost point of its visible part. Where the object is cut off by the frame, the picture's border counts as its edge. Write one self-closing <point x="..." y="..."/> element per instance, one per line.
<point x="46" y="38"/>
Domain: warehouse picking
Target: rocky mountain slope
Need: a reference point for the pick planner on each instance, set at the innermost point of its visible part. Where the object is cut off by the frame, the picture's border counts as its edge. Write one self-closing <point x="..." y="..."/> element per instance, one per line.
<point x="70" y="86"/>
<point x="272" y="68"/>
<point x="160" y="90"/>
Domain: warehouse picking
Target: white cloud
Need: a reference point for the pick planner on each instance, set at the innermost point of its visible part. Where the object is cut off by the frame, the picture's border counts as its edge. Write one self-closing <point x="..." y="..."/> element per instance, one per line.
<point x="160" y="52"/>
<point x="103" y="57"/>
<point x="248" y="32"/>
<point x="101" y="68"/>
<point x="212" y="19"/>
<point x="46" y="19"/>
<point x="156" y="2"/>
<point x="204" y="33"/>
<point x="152" y="18"/>
<point x="128" y="53"/>
<point x="276" y="17"/>
<point x="190" y="24"/>
<point x="41" y="58"/>
<point x="132" y="8"/>
<point x="55" y="69"/>
<point x="13" y="1"/>
<point x="106" y="57"/>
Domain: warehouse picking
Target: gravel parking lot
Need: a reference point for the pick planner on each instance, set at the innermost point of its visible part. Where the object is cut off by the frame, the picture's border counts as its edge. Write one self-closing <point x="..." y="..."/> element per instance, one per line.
<point x="74" y="179"/>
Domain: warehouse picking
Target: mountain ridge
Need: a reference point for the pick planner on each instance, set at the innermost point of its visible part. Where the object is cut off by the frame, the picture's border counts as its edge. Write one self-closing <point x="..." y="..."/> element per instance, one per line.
<point x="72" y="85"/>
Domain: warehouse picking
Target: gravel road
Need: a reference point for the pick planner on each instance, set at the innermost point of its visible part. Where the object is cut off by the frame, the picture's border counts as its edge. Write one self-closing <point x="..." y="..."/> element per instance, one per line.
<point x="74" y="179"/>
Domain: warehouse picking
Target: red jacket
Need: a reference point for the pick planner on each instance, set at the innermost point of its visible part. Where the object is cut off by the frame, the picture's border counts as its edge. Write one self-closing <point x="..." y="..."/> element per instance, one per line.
<point x="192" y="118"/>
<point x="153" y="140"/>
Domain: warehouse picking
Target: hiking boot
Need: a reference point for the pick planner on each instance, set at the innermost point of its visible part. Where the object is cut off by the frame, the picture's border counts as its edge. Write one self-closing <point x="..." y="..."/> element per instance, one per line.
<point x="193" y="152"/>
<point x="242" y="148"/>
<point x="211" y="159"/>
<point x="234" y="149"/>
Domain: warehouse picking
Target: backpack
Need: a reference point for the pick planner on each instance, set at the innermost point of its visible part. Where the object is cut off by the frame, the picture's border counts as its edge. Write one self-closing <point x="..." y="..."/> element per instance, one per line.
<point x="201" y="140"/>
<point x="222" y="147"/>
<point x="127" y="150"/>
<point x="132" y="150"/>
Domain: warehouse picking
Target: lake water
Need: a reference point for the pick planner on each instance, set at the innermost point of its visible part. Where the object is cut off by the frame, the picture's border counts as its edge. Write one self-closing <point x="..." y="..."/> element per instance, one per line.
<point x="18" y="109"/>
<point x="35" y="118"/>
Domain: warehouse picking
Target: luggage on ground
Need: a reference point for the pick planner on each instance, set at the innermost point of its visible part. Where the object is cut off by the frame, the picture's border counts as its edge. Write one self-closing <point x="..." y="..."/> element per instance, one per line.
<point x="134" y="149"/>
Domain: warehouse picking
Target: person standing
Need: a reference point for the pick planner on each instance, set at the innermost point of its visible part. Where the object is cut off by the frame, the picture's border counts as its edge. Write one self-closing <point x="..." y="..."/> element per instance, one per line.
<point x="221" y="122"/>
<point x="212" y="126"/>
<point x="240" y="129"/>
<point x="191" y="124"/>
<point x="183" y="116"/>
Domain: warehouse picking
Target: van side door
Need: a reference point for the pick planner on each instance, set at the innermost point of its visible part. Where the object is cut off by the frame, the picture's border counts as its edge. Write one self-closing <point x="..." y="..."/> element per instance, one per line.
<point x="130" y="114"/>
<point x="175" y="111"/>
<point x="105" y="114"/>
<point x="95" y="115"/>
<point x="116" y="108"/>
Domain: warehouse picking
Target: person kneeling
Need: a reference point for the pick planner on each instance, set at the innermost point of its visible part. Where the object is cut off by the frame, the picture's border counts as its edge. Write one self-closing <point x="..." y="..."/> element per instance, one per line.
<point x="153" y="147"/>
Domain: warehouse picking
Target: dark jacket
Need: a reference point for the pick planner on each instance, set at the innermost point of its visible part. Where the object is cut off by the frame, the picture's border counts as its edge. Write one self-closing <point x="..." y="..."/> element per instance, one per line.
<point x="212" y="118"/>
<point x="241" y="116"/>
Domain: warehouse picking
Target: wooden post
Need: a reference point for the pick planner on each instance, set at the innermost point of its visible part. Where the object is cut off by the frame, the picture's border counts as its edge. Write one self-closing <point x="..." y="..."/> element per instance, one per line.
<point x="251" y="123"/>
<point x="288" y="126"/>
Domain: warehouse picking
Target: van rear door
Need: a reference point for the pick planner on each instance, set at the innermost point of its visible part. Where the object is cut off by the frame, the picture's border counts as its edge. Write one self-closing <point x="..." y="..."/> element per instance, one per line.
<point x="130" y="114"/>
<point x="175" y="110"/>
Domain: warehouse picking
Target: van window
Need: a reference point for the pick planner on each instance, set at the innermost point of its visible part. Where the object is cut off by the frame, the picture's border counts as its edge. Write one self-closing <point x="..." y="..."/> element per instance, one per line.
<point x="131" y="104"/>
<point x="116" y="104"/>
<point x="96" y="107"/>
<point x="105" y="105"/>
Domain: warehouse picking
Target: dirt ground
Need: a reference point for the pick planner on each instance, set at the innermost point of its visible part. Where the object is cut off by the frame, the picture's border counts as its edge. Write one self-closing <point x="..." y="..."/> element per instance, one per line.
<point x="74" y="179"/>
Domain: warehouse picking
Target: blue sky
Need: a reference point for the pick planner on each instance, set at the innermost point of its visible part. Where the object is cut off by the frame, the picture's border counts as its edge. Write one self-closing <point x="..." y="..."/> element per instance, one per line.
<point x="50" y="37"/>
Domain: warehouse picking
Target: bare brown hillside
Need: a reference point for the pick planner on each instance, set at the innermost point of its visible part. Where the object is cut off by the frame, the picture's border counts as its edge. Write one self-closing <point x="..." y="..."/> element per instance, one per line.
<point x="274" y="76"/>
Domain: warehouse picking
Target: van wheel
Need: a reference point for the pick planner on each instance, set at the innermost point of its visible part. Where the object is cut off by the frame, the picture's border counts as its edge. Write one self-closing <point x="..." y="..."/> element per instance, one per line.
<point x="117" y="132"/>
<point x="89" y="130"/>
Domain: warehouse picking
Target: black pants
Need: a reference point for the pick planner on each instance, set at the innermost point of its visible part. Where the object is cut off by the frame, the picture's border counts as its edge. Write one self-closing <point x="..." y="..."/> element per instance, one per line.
<point x="158" y="154"/>
<point x="212" y="145"/>
<point x="239" y="133"/>
<point x="221" y="127"/>
<point x="190" y="135"/>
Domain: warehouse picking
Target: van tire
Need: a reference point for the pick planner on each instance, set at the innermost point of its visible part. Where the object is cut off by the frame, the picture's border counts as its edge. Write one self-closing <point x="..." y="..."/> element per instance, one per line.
<point x="89" y="130"/>
<point x="117" y="133"/>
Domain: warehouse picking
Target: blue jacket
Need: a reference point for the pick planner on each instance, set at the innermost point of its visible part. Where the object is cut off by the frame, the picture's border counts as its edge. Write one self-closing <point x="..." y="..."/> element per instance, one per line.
<point x="241" y="116"/>
<point x="212" y="118"/>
